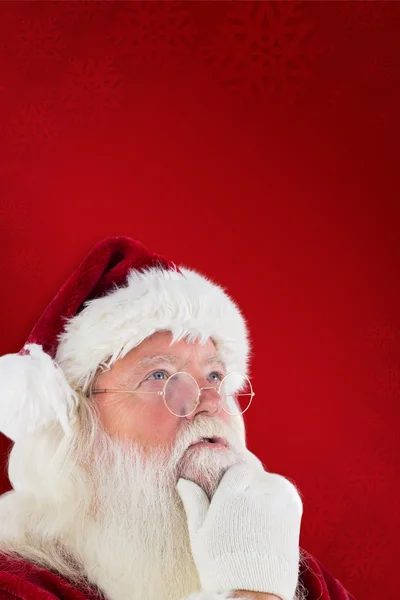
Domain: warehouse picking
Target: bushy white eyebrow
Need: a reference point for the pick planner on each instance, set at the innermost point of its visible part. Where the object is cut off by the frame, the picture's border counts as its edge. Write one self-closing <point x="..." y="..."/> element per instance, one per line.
<point x="214" y="360"/>
<point x="152" y="359"/>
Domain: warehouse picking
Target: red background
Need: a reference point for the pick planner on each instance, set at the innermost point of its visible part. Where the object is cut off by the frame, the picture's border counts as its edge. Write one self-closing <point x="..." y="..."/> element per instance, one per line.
<point x="257" y="143"/>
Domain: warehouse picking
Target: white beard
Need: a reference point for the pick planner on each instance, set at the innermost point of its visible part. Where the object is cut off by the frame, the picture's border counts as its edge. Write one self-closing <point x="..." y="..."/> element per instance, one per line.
<point x="133" y="541"/>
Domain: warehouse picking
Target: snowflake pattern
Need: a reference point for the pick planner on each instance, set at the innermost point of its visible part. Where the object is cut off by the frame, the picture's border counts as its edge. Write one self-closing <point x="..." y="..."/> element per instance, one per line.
<point x="383" y="117"/>
<point x="379" y="336"/>
<point x="367" y="475"/>
<point x="364" y="16"/>
<point x="14" y="207"/>
<point x="34" y="126"/>
<point x="24" y="260"/>
<point x="338" y="491"/>
<point x="38" y="41"/>
<point x="83" y="11"/>
<point x="362" y="556"/>
<point x="149" y="34"/>
<point x="387" y="383"/>
<point x="320" y="522"/>
<point x="337" y="93"/>
<point x="378" y="72"/>
<point x="267" y="48"/>
<point x="91" y="86"/>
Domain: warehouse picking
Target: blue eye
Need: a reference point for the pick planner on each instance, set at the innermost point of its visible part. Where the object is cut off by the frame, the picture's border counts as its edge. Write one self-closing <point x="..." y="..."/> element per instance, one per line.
<point x="215" y="376"/>
<point x="159" y="375"/>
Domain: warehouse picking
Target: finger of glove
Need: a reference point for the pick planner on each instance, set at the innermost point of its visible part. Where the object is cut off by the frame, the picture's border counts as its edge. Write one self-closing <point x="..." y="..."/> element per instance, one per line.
<point x="195" y="502"/>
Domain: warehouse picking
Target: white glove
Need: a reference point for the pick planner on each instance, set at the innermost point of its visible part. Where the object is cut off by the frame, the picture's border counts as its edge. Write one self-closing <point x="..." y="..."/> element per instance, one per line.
<point x="247" y="537"/>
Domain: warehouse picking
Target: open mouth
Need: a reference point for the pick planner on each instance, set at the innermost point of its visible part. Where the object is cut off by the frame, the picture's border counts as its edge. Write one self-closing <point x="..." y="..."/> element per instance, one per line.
<point x="212" y="441"/>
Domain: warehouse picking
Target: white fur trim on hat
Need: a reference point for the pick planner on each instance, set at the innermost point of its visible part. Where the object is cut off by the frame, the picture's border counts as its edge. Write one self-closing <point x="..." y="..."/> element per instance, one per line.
<point x="36" y="391"/>
<point x="186" y="303"/>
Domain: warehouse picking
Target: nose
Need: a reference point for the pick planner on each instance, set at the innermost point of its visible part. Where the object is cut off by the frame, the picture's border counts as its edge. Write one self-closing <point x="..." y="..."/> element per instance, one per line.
<point x="209" y="403"/>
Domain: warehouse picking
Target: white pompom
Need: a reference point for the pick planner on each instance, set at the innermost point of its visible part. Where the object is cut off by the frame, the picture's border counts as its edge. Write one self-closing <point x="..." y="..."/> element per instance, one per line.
<point x="33" y="393"/>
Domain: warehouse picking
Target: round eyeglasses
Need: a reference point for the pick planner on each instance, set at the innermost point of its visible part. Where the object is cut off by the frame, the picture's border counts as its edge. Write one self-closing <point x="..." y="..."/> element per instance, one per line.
<point x="181" y="393"/>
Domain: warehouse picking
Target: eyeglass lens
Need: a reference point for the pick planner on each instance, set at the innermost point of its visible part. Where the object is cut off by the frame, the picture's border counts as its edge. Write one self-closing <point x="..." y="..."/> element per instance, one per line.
<point x="181" y="393"/>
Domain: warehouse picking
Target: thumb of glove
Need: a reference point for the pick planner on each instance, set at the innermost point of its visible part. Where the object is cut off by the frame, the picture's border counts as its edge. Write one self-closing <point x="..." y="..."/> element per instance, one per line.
<point x="195" y="502"/>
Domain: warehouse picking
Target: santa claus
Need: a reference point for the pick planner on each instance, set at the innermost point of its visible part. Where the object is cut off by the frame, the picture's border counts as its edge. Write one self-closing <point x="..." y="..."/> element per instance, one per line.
<point x="130" y="472"/>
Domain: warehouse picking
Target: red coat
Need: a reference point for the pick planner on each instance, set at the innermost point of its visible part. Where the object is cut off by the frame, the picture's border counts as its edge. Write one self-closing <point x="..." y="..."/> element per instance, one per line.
<point x="20" y="580"/>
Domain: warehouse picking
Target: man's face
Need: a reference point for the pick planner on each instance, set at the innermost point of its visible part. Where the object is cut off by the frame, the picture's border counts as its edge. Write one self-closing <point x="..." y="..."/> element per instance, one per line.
<point x="144" y="418"/>
<point x="144" y="421"/>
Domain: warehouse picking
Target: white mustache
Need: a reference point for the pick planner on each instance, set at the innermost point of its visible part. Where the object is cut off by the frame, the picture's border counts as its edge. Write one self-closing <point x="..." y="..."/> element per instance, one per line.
<point x="206" y="427"/>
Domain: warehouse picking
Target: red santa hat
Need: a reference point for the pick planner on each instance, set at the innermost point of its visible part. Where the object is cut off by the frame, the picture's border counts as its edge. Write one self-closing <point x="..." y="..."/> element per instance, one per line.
<point x="121" y="294"/>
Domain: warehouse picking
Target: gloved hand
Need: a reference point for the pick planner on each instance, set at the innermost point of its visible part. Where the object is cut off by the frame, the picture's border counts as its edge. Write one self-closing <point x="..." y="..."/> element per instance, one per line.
<point x="247" y="537"/>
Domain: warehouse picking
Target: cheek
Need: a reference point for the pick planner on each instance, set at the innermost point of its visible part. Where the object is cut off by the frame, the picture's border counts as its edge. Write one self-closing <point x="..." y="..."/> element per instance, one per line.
<point x="138" y="421"/>
<point x="113" y="413"/>
<point x="159" y="428"/>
